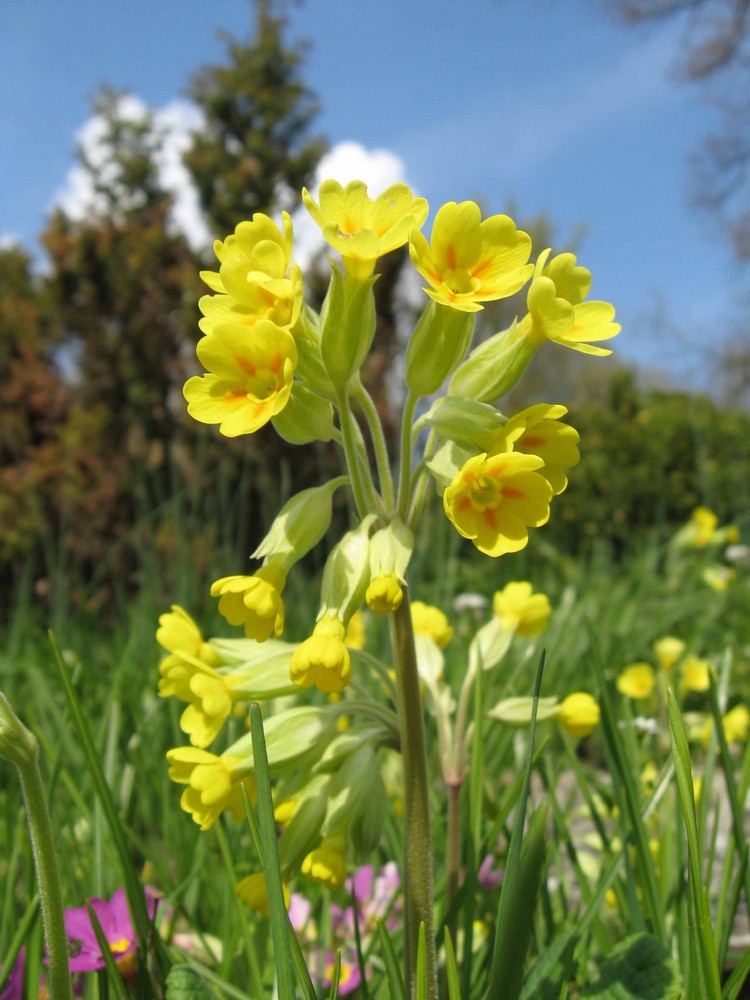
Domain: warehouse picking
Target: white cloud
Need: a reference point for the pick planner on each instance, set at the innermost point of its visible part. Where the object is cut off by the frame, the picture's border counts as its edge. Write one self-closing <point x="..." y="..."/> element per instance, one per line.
<point x="175" y="122"/>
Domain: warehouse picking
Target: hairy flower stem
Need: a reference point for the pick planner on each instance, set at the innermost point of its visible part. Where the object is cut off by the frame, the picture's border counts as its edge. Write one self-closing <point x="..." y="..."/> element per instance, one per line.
<point x="418" y="846"/>
<point x="453" y="851"/>
<point x="21" y="747"/>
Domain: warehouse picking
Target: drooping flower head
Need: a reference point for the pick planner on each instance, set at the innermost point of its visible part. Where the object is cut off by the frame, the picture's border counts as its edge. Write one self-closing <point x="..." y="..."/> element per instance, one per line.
<point x="323" y="660"/>
<point x="538" y="430"/>
<point x="249" y="377"/>
<point x="520" y="610"/>
<point x="428" y="620"/>
<point x="471" y="261"/>
<point x="213" y="784"/>
<point x="254" y="601"/>
<point x="495" y="500"/>
<point x="695" y="674"/>
<point x="326" y="864"/>
<point x="362" y="228"/>
<point x="668" y="650"/>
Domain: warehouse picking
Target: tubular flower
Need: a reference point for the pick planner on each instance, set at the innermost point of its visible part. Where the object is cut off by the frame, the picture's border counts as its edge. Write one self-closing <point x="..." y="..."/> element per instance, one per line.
<point x="537" y="430"/>
<point x="361" y="228"/>
<point x="214" y="784"/>
<point x="384" y="593"/>
<point x="567" y="321"/>
<point x="208" y="693"/>
<point x="494" y="500"/>
<point x="520" y="610"/>
<point x="323" y="659"/>
<point x="327" y="864"/>
<point x="578" y="714"/>
<point x="178" y="633"/>
<point x="254" y="601"/>
<point x="636" y="680"/>
<point x="252" y="890"/>
<point x="249" y="377"/>
<point x="471" y="261"/>
<point x="429" y="620"/>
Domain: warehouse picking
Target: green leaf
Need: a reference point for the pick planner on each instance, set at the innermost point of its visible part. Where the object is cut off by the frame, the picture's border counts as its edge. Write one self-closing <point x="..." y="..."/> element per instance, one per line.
<point x="638" y="968"/>
<point x="396" y="987"/>
<point x="185" y="983"/>
<point x="451" y="970"/>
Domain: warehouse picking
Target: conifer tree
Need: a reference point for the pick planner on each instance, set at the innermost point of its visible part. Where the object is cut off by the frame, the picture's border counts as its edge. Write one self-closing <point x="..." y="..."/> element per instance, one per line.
<point x="254" y="153"/>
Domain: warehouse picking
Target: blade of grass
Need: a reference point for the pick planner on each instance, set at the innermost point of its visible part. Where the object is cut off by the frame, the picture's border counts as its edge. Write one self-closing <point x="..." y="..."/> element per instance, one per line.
<point x="394" y="978"/>
<point x="114" y="978"/>
<point x="32" y="910"/>
<point x="702" y="935"/>
<point x="267" y="829"/>
<point x="451" y="970"/>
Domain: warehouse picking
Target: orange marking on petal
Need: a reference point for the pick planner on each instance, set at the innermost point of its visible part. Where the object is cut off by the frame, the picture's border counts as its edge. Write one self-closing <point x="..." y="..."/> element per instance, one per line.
<point x="463" y="504"/>
<point x="450" y="256"/>
<point x="246" y="365"/>
<point x="532" y="442"/>
<point x="490" y="519"/>
<point x="235" y="394"/>
<point x="276" y="362"/>
<point x="512" y="493"/>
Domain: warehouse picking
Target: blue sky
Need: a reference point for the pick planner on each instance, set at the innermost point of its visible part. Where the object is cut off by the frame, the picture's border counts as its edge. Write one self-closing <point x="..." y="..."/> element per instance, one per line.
<point x="550" y="103"/>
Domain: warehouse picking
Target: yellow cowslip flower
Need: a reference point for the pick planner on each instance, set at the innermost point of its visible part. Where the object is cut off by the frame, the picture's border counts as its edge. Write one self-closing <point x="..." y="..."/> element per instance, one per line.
<point x="520" y="610"/>
<point x="327" y="863"/>
<point x="252" y="890"/>
<point x="704" y="523"/>
<point x="253" y="601"/>
<point x="636" y="680"/>
<point x="471" y="261"/>
<point x="494" y="500"/>
<point x="384" y="593"/>
<point x="362" y="228"/>
<point x="249" y="378"/>
<point x="567" y="321"/>
<point x="355" y="631"/>
<point x="694" y="674"/>
<point x="214" y="784"/>
<point x="284" y="810"/>
<point x="668" y="650"/>
<point x="429" y="620"/>
<point x="178" y="633"/>
<point x="537" y="430"/>
<point x="210" y="696"/>
<point x="578" y="714"/>
<point x="323" y="659"/>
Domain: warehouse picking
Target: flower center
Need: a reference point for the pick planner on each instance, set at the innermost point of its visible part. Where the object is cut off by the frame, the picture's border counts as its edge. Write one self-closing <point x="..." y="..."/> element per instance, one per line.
<point x="484" y="493"/>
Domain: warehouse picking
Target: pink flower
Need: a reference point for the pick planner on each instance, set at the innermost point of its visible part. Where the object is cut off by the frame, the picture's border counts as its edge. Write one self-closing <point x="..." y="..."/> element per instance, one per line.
<point x="13" y="989"/>
<point x="114" y="918"/>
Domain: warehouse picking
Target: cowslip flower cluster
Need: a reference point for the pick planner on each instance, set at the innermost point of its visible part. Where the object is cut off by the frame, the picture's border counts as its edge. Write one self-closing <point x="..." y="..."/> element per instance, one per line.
<point x="272" y="357"/>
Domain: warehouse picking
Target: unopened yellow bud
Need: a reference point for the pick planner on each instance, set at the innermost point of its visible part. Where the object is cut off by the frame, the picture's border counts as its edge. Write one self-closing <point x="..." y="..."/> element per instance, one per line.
<point x="384" y="594"/>
<point x="578" y="714"/>
<point x="327" y="864"/>
<point x="323" y="659"/>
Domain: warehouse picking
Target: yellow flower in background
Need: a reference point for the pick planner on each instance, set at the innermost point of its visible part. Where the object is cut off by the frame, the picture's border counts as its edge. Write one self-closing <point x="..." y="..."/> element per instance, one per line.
<point x="668" y="650"/>
<point x="210" y="697"/>
<point x="520" y="610"/>
<point x="323" y="659"/>
<point x="252" y="890"/>
<point x="355" y="631"/>
<point x="178" y="633"/>
<point x="213" y="783"/>
<point x="694" y="674"/>
<point x="537" y="430"/>
<point x="249" y="378"/>
<point x="494" y="500"/>
<point x="253" y="601"/>
<point x="718" y="577"/>
<point x="362" y="228"/>
<point x="570" y="322"/>
<point x="704" y="523"/>
<point x="327" y="864"/>
<point x="636" y="680"/>
<point x="428" y="620"/>
<point x="471" y="261"/>
<point x="578" y="714"/>
<point x="736" y="724"/>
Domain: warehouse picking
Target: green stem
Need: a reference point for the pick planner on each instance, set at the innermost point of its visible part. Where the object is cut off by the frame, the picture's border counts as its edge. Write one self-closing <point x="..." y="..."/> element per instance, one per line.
<point x="365" y="497"/>
<point x="22" y="748"/>
<point x="453" y="850"/>
<point x="420" y="486"/>
<point x="382" y="459"/>
<point x="418" y="847"/>
<point x="404" y="479"/>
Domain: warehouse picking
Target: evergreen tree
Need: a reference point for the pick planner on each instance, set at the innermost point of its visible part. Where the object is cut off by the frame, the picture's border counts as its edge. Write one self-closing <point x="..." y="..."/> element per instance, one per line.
<point x="254" y="153"/>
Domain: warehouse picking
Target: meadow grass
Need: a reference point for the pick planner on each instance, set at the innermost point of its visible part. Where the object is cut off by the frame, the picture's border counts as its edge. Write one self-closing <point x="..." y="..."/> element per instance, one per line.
<point x="629" y="872"/>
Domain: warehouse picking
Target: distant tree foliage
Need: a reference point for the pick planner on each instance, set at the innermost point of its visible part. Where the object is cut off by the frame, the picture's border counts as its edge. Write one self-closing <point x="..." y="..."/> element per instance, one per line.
<point x="717" y="52"/>
<point x="254" y="153"/>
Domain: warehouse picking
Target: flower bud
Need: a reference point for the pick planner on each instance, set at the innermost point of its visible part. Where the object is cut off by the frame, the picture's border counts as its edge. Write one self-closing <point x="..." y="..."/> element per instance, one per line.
<point x="347" y="325"/>
<point x="390" y="551"/>
<point x="305" y="418"/>
<point x="516" y="712"/>
<point x="493" y="368"/>
<point x="468" y="423"/>
<point x="300" y="524"/>
<point x="438" y="343"/>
